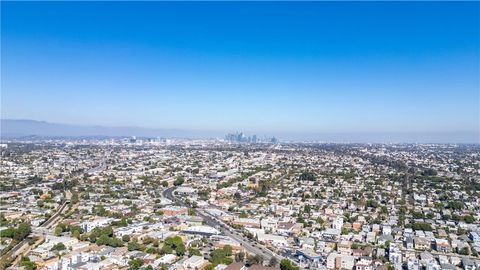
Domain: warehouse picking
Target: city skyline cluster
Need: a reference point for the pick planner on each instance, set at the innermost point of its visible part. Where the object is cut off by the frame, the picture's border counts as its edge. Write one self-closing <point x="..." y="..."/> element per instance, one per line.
<point x="239" y="137"/>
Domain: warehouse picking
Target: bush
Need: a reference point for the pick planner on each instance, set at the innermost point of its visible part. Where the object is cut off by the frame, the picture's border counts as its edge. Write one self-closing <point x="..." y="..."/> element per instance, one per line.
<point x="286" y="264"/>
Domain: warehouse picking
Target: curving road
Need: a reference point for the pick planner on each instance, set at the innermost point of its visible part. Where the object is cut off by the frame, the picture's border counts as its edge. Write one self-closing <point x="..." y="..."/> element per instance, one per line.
<point x="250" y="245"/>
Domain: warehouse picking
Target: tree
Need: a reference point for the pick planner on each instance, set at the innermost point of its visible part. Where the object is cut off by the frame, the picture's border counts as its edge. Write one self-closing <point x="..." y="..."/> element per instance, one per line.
<point x="240" y="256"/>
<point x="166" y="249"/>
<point x="307" y="176"/>
<point x="29" y="265"/>
<point x="74" y="198"/>
<point x="429" y="172"/>
<point x="193" y="251"/>
<point x="76" y="234"/>
<point x="286" y="264"/>
<point x="221" y="256"/>
<point x="58" y="247"/>
<point x="421" y="226"/>
<point x="99" y="231"/>
<point x="469" y="219"/>
<point x="273" y="262"/>
<point x="123" y="223"/>
<point x="464" y="251"/>
<point x="9" y="232"/>
<point x="135" y="264"/>
<point x="179" y="181"/>
<point x="180" y="250"/>
<point x="151" y="250"/>
<point x="102" y="240"/>
<point x="22" y="231"/>
<point x="455" y="205"/>
<point x="40" y="203"/>
<point x="126" y="238"/>
<point x="115" y="242"/>
<point x="133" y="246"/>
<point x="164" y="183"/>
<point x="174" y="243"/>
<point x="228" y="250"/>
<point x="58" y="230"/>
<point x="100" y="210"/>
<point x="257" y="259"/>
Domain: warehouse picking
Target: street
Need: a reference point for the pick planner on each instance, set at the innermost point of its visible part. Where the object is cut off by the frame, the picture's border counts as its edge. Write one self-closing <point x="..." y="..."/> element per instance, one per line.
<point x="250" y="245"/>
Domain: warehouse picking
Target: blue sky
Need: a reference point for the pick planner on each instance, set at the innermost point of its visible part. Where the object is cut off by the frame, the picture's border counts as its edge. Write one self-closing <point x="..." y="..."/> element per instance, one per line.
<point x="276" y="68"/>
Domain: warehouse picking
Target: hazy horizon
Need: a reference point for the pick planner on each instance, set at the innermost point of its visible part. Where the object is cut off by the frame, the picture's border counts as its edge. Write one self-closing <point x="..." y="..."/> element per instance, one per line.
<point x="23" y="127"/>
<point x="366" y="71"/>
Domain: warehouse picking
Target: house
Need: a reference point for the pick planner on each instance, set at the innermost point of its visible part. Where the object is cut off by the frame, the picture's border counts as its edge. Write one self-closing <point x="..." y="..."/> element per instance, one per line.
<point x="165" y="259"/>
<point x="468" y="264"/>
<point x="247" y="222"/>
<point x="345" y="262"/>
<point x="442" y="245"/>
<point x="261" y="267"/>
<point x="88" y="226"/>
<point x="275" y="240"/>
<point x="174" y="210"/>
<point x="194" y="262"/>
<point x="409" y="243"/>
<point x="309" y="255"/>
<point x="448" y="266"/>
<point x="344" y="247"/>
<point x="394" y="254"/>
<point x="285" y="228"/>
<point x="194" y="221"/>
<point x="364" y="264"/>
<point x="337" y="223"/>
<point x="386" y="230"/>
<point x="421" y="243"/>
<point x="331" y="234"/>
<point x="236" y="266"/>
<point x="51" y="240"/>
<point x="340" y="261"/>
<point x="432" y="266"/>
<point x="269" y="224"/>
<point x="413" y="264"/>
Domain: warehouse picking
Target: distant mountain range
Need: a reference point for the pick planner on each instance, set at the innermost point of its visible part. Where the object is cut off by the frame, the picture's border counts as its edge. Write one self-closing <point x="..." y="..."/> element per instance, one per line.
<point x="18" y="128"/>
<point x="22" y="128"/>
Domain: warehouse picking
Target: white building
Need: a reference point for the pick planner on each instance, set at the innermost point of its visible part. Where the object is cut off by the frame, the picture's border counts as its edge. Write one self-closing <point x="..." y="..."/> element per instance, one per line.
<point x="87" y="226"/>
<point x="194" y="262"/>
<point x="394" y="254"/>
<point x="386" y="230"/>
<point x="337" y="223"/>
